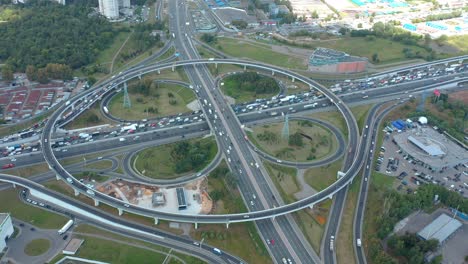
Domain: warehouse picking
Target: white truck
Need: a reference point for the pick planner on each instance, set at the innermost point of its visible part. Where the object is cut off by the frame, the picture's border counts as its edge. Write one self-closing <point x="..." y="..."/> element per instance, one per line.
<point x="105" y="110"/>
<point x="66" y="227"/>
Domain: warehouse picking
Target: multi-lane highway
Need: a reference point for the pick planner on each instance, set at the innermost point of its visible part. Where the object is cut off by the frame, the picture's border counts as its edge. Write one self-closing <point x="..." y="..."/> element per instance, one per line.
<point x="259" y="193"/>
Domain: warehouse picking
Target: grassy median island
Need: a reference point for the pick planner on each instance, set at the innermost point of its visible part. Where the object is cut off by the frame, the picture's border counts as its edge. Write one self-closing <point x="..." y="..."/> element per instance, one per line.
<point x="175" y="159"/>
<point x="240" y="239"/>
<point x="23" y="211"/>
<point x="247" y="86"/>
<point x="37" y="247"/>
<point x="311" y="221"/>
<point x="307" y="141"/>
<point x="151" y="99"/>
<point x="240" y="48"/>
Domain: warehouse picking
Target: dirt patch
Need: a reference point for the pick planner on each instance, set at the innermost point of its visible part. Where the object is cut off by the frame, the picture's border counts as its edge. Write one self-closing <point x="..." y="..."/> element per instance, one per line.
<point x="446" y="48"/>
<point x="459" y="96"/>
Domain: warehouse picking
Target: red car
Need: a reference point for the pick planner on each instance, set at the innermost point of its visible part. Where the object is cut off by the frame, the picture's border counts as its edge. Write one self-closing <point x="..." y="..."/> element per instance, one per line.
<point x="8" y="166"/>
<point x="272" y="241"/>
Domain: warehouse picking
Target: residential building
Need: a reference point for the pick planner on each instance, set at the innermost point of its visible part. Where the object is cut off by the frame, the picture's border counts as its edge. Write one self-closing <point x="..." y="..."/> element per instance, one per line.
<point x="109" y="8"/>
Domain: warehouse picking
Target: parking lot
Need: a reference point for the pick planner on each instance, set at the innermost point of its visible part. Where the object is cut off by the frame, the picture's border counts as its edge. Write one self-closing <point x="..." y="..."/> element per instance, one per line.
<point x="454" y="249"/>
<point x="411" y="173"/>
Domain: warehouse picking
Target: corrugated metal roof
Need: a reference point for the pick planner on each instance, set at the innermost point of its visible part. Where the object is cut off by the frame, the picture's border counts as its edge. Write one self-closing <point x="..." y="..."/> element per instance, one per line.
<point x="431" y="149"/>
<point x="441" y="228"/>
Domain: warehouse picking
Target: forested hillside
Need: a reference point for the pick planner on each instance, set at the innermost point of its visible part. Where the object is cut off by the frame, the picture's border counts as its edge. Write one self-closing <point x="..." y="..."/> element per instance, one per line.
<point x="51" y="33"/>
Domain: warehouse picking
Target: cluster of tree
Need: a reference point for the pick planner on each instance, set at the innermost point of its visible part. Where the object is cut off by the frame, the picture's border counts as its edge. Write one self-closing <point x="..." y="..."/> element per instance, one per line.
<point x="144" y="87"/>
<point x="305" y="33"/>
<point x="142" y="40"/>
<point x="208" y="38"/>
<point x="398" y="206"/>
<point x="296" y="140"/>
<point x="50" y="71"/>
<point x="254" y="82"/>
<point x="436" y="17"/>
<point x="152" y="110"/>
<point x="401" y="205"/>
<point x="411" y="247"/>
<point x="268" y="136"/>
<point x="456" y="109"/>
<point x="9" y="14"/>
<point x="389" y="31"/>
<point x="287" y="18"/>
<point x="222" y="172"/>
<point x="240" y="24"/>
<point x="190" y="156"/>
<point x="53" y="33"/>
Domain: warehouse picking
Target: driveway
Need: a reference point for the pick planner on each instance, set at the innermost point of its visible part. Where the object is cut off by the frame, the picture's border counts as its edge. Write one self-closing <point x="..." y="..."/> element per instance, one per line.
<point x="15" y="253"/>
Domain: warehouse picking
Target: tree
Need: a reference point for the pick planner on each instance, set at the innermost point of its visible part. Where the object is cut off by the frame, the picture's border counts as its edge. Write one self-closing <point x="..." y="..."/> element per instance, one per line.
<point x="379" y="28"/>
<point x="375" y="57"/>
<point x="31" y="72"/>
<point x="7" y="73"/>
<point x="208" y="38"/>
<point x="240" y="24"/>
<point x="427" y="39"/>
<point x="441" y="40"/>
<point x="315" y="14"/>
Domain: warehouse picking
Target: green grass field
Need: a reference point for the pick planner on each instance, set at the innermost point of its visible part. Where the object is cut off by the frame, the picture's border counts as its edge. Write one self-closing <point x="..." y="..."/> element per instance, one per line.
<point x="388" y="51"/>
<point x="114" y="252"/>
<point x="37" y="247"/>
<point x="156" y="162"/>
<point x="459" y="42"/>
<point x="28" y="170"/>
<point x="181" y="95"/>
<point x="320" y="178"/>
<point x="100" y="165"/>
<point x="281" y="149"/>
<point x="344" y="245"/>
<point x="30" y="214"/>
<point x="284" y="179"/>
<point x="105" y="57"/>
<point x="360" y="112"/>
<point x="232" y="89"/>
<point x="243" y="49"/>
<point x="240" y="239"/>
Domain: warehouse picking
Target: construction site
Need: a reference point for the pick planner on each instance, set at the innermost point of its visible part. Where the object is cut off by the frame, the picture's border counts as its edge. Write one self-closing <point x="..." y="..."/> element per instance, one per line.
<point x="191" y="198"/>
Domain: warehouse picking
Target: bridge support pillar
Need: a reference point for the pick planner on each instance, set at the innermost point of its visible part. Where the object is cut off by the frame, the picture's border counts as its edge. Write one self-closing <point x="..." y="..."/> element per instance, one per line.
<point x="120" y="211"/>
<point x="57" y="177"/>
<point x="216" y="65"/>
<point x="173" y="68"/>
<point x="159" y="71"/>
<point x="273" y="73"/>
<point x="340" y="174"/>
<point x="156" y="220"/>
<point x="196" y="225"/>
<point x="96" y="202"/>
<point x="330" y="196"/>
<point x="227" y="225"/>
<point x="14" y="185"/>
<point x="76" y="192"/>
<point x="293" y="79"/>
<point x="139" y="76"/>
<point x="311" y="206"/>
<point x="73" y="107"/>
<point x="245" y="67"/>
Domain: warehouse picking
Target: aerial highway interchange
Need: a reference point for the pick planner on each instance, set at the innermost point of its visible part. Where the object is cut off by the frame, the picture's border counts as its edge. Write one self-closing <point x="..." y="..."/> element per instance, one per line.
<point x="269" y="212"/>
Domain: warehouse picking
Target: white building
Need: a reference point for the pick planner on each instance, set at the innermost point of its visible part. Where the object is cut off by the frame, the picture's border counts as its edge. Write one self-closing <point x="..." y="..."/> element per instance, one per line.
<point x="109" y="8"/>
<point x="124" y="3"/>
<point x="6" y="230"/>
